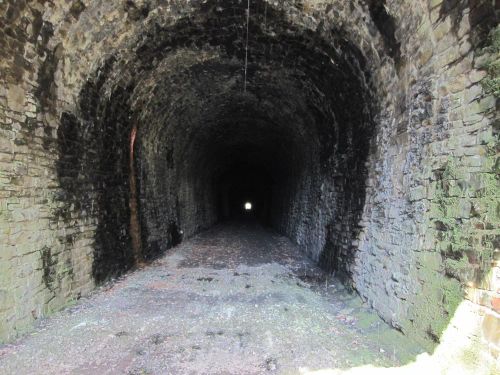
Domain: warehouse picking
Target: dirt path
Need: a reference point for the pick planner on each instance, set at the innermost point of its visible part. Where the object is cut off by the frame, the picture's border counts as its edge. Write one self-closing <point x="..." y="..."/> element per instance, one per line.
<point x="234" y="300"/>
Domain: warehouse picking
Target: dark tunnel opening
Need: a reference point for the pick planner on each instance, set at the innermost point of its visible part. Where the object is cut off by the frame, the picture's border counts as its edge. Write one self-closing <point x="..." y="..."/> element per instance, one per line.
<point x="293" y="140"/>
<point x="245" y="193"/>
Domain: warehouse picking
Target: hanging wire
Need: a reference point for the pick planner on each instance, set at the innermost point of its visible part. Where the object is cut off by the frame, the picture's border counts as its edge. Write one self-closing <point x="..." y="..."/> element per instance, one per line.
<point x="246" y="48"/>
<point x="265" y="15"/>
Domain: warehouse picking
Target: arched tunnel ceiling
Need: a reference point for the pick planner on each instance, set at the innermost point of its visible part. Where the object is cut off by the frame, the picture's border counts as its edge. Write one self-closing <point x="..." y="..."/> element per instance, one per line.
<point x="138" y="36"/>
<point x="297" y="102"/>
<point x="191" y="73"/>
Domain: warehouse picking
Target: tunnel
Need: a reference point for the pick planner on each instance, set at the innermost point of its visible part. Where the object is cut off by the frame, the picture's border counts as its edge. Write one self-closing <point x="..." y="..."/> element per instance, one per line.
<point x="363" y="131"/>
<point x="284" y="122"/>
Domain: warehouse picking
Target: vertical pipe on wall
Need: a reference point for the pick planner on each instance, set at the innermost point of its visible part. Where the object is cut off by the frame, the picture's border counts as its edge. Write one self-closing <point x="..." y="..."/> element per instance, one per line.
<point x="135" y="229"/>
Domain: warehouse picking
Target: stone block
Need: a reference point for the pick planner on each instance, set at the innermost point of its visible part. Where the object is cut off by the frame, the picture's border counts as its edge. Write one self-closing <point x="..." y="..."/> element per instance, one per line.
<point x="16" y="97"/>
<point x="491" y="328"/>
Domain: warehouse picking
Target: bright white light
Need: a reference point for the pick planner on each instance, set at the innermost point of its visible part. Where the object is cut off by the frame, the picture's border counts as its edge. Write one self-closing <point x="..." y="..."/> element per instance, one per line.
<point x="248" y="206"/>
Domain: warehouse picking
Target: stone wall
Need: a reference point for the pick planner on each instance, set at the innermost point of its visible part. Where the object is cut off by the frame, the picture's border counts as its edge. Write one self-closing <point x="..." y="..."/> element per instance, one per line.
<point x="46" y="245"/>
<point x="431" y="220"/>
<point x="372" y="117"/>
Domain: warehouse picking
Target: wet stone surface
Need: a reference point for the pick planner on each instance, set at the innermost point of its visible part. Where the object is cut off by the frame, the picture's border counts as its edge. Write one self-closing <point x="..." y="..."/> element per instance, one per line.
<point x="235" y="299"/>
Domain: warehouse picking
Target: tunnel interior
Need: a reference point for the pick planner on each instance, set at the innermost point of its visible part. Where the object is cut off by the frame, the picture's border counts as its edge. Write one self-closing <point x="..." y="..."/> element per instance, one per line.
<point x="365" y="131"/>
<point x="283" y="121"/>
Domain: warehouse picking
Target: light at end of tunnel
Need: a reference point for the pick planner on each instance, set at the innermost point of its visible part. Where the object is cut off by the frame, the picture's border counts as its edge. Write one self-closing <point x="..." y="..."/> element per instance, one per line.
<point x="248" y="206"/>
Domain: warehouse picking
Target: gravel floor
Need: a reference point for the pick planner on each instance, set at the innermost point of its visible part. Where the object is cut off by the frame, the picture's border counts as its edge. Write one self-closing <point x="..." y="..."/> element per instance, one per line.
<point x="237" y="299"/>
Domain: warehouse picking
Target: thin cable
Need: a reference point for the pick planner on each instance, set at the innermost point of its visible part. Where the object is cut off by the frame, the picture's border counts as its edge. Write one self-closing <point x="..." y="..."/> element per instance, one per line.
<point x="246" y="49"/>
<point x="265" y="15"/>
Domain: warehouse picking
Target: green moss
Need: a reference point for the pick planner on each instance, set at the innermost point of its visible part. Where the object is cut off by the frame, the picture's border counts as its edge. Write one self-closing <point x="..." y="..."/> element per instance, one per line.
<point x="452" y="295"/>
<point x="463" y="217"/>
<point x="438" y="303"/>
<point x="457" y="219"/>
<point x="491" y="83"/>
<point x="459" y="269"/>
<point x="366" y="319"/>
